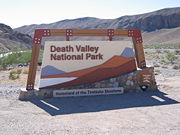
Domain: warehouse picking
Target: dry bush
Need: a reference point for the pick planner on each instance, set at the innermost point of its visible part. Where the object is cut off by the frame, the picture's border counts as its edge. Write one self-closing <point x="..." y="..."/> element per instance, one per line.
<point x="176" y="66"/>
<point x="164" y="66"/>
<point x="25" y="71"/>
<point x="177" y="52"/>
<point x="157" y="70"/>
<point x="19" y="70"/>
<point x="13" y="75"/>
<point x="171" y="57"/>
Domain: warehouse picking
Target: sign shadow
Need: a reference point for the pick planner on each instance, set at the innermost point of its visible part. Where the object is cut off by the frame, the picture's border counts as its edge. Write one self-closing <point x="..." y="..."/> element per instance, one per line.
<point x="70" y="105"/>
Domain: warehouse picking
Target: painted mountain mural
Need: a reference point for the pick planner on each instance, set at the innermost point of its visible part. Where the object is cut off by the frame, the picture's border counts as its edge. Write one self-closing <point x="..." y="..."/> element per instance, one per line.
<point x="128" y="53"/>
<point x="50" y="70"/>
<point x="115" y="66"/>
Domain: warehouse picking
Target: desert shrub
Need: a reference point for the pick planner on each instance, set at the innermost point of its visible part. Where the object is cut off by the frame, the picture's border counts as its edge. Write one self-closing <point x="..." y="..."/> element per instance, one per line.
<point x="163" y="61"/>
<point x="148" y="55"/>
<point x="25" y="71"/>
<point x="158" y="51"/>
<point x="177" y="52"/>
<point x="162" y="46"/>
<point x="166" y="51"/>
<point x="13" y="75"/>
<point x="170" y="57"/>
<point x="1" y="68"/>
<point x="176" y="67"/>
<point x="156" y="65"/>
<point x="19" y="71"/>
<point x="164" y="66"/>
<point x="157" y="70"/>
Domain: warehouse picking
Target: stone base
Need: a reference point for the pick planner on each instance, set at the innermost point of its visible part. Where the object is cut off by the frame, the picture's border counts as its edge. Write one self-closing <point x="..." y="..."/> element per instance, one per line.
<point x="133" y="81"/>
<point x="130" y="82"/>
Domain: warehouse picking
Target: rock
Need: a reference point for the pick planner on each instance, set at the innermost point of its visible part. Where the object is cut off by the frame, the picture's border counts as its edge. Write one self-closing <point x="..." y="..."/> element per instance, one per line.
<point x="116" y="84"/>
<point x="5" y="29"/>
<point x="129" y="78"/>
<point x="129" y="83"/>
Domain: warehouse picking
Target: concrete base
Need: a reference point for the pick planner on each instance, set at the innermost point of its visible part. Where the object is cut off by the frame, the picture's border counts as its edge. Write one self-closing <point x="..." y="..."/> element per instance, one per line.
<point x="28" y="94"/>
<point x="35" y="93"/>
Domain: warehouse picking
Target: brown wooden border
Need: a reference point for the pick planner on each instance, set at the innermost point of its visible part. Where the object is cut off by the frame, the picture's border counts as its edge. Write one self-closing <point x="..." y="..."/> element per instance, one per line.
<point x="110" y="33"/>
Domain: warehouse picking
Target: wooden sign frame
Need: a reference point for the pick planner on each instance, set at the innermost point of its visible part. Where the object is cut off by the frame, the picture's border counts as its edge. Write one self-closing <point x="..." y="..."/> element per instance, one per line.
<point x="110" y="33"/>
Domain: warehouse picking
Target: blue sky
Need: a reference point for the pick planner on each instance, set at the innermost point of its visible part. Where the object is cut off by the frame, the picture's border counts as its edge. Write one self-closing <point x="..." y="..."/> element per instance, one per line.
<point x="17" y="13"/>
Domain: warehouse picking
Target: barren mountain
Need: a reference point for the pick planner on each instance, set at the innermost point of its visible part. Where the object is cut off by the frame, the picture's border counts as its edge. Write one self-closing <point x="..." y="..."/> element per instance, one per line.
<point x="165" y="18"/>
<point x="159" y="27"/>
<point x="13" y="40"/>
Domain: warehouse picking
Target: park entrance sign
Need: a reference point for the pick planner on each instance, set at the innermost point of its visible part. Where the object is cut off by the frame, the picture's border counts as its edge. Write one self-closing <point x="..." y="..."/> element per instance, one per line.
<point x="81" y="65"/>
<point x="72" y="63"/>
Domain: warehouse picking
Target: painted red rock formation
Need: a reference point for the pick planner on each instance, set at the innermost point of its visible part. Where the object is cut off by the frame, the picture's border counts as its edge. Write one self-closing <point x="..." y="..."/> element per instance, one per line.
<point x="115" y="66"/>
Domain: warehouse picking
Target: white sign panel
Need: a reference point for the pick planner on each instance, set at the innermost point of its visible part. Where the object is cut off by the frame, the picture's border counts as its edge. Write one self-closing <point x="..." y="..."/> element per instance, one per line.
<point x="87" y="92"/>
<point x="73" y="63"/>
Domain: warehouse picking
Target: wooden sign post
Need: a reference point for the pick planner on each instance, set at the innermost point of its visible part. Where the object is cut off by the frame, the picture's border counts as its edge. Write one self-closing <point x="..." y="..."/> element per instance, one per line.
<point x="110" y="33"/>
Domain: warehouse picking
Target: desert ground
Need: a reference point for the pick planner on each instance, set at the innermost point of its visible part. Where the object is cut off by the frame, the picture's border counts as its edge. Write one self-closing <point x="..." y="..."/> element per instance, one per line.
<point x="132" y="113"/>
<point x="146" y="113"/>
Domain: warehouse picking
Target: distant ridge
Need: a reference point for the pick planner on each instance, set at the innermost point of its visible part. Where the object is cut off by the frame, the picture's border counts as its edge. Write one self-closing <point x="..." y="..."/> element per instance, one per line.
<point x="160" y="19"/>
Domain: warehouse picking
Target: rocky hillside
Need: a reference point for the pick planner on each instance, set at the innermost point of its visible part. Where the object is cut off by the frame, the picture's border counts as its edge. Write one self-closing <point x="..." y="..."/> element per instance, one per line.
<point x="13" y="40"/>
<point x="148" y="22"/>
<point x="162" y="36"/>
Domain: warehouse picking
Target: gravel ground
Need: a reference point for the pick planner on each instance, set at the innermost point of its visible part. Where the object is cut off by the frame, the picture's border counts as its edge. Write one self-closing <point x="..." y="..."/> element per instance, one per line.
<point x="145" y="113"/>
